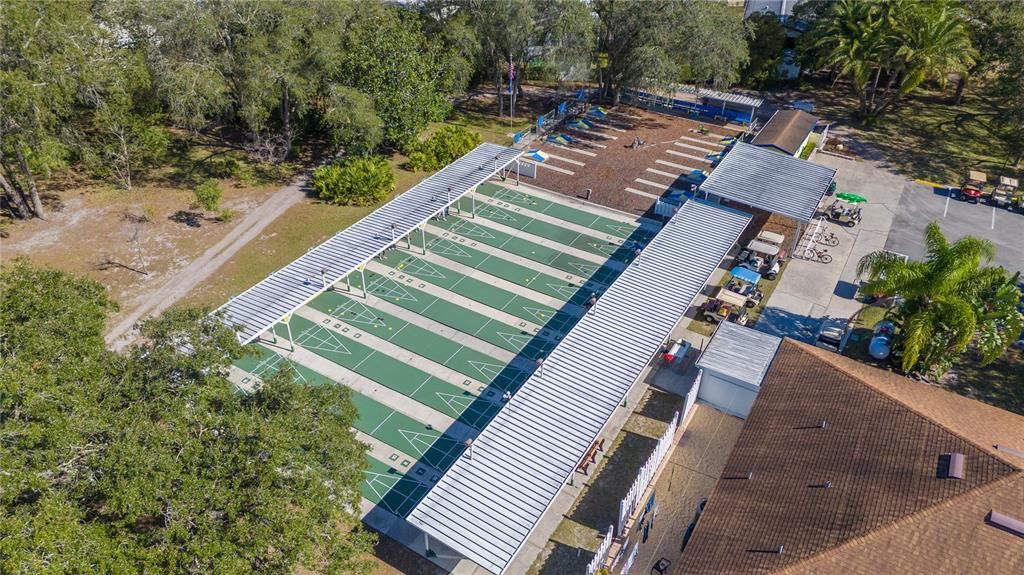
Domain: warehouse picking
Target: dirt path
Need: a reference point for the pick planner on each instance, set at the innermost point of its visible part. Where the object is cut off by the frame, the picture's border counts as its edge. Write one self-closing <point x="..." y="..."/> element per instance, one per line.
<point x="155" y="301"/>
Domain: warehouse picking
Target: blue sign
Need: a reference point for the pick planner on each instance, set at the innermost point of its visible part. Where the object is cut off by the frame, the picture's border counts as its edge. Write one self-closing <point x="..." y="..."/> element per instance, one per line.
<point x="540" y="122"/>
<point x="562" y="107"/>
<point x="581" y="95"/>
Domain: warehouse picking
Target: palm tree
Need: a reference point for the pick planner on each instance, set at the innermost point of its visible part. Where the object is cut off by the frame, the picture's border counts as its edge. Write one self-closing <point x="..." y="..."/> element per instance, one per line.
<point x="946" y="301"/>
<point x="887" y="49"/>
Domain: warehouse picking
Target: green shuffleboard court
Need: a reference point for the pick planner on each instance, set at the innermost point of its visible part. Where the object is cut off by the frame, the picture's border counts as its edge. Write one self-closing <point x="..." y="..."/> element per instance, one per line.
<point x="443" y="339"/>
<point x="406" y="265"/>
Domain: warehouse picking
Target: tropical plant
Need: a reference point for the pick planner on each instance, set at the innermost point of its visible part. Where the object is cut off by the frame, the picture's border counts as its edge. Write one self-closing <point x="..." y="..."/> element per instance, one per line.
<point x="947" y="301"/>
<point x="354" y="181"/>
<point x="442" y="148"/>
<point x="886" y="50"/>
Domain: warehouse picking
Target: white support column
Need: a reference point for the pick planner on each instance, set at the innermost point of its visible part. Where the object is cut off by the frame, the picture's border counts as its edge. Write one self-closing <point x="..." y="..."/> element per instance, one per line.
<point x="517" y="171"/>
<point x="362" y="274"/>
<point x="291" y="340"/>
<point x="348" y="283"/>
<point x="472" y="197"/>
<point x="423" y="238"/>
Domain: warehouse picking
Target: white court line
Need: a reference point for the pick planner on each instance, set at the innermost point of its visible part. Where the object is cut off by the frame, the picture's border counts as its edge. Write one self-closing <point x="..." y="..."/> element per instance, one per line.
<point x="692" y="157"/>
<point x="677" y="166"/>
<point x="553" y="168"/>
<point x="644" y="194"/>
<point x="568" y="149"/>
<point x="566" y="160"/>
<point x="659" y="186"/>
<point x="675" y="153"/>
<point x="704" y="150"/>
<point x="606" y="125"/>
<point x="593" y="133"/>
<point x="661" y="173"/>
<point x="705" y="142"/>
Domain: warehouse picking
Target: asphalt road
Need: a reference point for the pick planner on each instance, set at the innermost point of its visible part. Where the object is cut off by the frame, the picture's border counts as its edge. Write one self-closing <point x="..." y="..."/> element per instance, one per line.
<point x="921" y="204"/>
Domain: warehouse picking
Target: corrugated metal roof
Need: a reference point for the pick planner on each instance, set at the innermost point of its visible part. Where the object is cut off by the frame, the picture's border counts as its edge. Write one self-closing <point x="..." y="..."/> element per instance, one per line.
<point x="741" y="353"/>
<point x="770" y="181"/>
<point x="486" y="508"/>
<point x="289" y="288"/>
<point x="739" y="99"/>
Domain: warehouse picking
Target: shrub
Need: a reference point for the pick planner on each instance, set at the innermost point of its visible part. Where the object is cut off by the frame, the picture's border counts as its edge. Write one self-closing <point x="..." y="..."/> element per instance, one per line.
<point x="442" y="148"/>
<point x="354" y="181"/>
<point x="225" y="215"/>
<point x="208" y="195"/>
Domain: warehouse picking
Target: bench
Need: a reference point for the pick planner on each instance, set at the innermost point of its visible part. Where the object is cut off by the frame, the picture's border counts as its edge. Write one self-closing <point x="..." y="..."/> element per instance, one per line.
<point x="591" y="456"/>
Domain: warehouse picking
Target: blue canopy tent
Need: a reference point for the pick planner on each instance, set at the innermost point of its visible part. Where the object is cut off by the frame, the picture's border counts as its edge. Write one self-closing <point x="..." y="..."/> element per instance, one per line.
<point x="743" y="274"/>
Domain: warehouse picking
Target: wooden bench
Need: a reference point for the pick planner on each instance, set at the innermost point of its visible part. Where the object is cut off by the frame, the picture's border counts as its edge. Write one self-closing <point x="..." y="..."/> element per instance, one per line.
<point x="591" y="456"/>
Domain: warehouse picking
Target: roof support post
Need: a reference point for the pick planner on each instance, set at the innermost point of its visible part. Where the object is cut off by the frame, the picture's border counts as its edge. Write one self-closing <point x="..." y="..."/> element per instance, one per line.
<point x="472" y="207"/>
<point x="796" y="238"/>
<point x="291" y="340"/>
<point x="348" y="283"/>
<point x="517" y="171"/>
<point x="423" y="238"/>
<point x="362" y="274"/>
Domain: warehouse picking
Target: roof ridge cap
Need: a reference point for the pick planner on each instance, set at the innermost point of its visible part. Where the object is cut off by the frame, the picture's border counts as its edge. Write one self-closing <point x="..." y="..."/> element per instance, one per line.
<point x="989" y="450"/>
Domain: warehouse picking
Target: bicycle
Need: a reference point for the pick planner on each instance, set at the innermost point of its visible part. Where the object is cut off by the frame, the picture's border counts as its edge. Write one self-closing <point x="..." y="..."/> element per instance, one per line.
<point x="818" y="255"/>
<point x="828" y="239"/>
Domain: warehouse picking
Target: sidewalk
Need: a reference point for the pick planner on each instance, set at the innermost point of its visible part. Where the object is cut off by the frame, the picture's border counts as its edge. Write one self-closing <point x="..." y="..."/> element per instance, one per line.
<point x="809" y="291"/>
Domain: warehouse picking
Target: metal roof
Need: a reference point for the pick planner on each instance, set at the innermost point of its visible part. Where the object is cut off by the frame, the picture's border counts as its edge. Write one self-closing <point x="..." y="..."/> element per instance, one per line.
<point x="740" y="353"/>
<point x="264" y="304"/>
<point x="770" y="181"/>
<point x="787" y="130"/>
<point x="486" y="507"/>
<point x="739" y="99"/>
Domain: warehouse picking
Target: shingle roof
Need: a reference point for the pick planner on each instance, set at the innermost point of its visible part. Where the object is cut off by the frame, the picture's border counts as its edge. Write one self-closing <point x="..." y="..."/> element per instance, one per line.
<point x="486" y="506"/>
<point x="740" y="353"/>
<point x="886" y="510"/>
<point x="786" y="130"/>
<point x="770" y="181"/>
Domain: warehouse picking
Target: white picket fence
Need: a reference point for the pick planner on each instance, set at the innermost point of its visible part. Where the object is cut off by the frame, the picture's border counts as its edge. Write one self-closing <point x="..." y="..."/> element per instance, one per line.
<point x="691" y="396"/>
<point x="628" y="504"/>
<point x="602" y="552"/>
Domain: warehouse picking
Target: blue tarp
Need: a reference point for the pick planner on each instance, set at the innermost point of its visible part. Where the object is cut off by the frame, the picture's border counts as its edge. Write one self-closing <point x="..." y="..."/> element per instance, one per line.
<point x="746" y="275"/>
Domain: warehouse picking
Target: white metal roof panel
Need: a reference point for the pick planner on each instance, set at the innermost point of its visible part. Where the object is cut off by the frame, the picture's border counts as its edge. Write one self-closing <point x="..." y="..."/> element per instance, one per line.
<point x="740" y="353"/>
<point x="739" y="99"/>
<point x="486" y="508"/>
<point x="770" y="181"/>
<point x="282" y="292"/>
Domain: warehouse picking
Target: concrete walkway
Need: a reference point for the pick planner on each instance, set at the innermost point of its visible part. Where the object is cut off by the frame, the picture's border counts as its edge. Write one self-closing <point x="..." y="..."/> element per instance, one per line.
<point x="809" y="291"/>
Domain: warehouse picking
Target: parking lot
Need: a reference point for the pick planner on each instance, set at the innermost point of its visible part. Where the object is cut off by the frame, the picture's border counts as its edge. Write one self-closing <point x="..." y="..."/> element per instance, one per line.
<point x="921" y="204"/>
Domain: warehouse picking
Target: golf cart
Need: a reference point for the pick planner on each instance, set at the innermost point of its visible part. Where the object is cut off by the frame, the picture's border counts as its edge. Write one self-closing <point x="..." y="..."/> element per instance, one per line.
<point x="744" y="282"/>
<point x="1004" y="193"/>
<point x="726" y="306"/>
<point x="972" y="189"/>
<point x="842" y="214"/>
<point x="763" y="253"/>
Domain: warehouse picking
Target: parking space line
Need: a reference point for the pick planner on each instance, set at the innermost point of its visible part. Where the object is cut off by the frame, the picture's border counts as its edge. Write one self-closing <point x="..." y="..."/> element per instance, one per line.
<point x="946" y="209"/>
<point x="993" y="217"/>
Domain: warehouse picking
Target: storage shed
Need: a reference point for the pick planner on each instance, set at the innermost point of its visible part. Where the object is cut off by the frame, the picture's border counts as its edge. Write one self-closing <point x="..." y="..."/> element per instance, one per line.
<point x="733" y="366"/>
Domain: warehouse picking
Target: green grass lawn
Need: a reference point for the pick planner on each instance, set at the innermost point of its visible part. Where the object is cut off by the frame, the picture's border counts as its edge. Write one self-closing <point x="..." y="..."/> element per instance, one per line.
<point x="863" y="324"/>
<point x="1001" y="383"/>
<point x="927" y="137"/>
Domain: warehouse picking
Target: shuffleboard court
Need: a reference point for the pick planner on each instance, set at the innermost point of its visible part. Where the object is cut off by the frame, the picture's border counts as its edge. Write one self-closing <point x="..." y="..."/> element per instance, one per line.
<point x="602" y="224"/>
<point x="460" y="403"/>
<point x="422" y="342"/>
<point x="547" y="255"/>
<point x="511" y="338"/>
<point x="391" y="489"/>
<point x="375" y="419"/>
<point x="565" y="288"/>
<point x="405" y="264"/>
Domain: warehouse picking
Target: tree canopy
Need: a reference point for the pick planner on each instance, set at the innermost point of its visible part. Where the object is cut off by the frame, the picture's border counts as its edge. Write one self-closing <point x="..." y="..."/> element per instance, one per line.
<point x="152" y="462"/>
<point x="947" y="301"/>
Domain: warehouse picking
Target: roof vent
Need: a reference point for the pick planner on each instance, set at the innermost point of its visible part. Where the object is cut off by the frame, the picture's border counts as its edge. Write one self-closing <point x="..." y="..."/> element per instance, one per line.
<point x="1006" y="523"/>
<point x="951" y="466"/>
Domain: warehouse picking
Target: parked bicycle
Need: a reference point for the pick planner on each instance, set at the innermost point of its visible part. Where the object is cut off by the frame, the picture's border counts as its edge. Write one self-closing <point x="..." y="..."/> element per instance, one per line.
<point x="818" y="255"/>
<point x="828" y="239"/>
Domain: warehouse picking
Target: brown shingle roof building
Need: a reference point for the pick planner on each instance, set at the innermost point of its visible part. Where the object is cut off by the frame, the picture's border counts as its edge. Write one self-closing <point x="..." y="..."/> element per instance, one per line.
<point x="786" y="131"/>
<point x="864" y="491"/>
